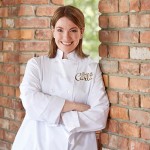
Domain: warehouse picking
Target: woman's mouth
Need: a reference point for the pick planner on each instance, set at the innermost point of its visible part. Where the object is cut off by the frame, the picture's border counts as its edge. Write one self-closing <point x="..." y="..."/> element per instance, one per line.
<point x="67" y="43"/>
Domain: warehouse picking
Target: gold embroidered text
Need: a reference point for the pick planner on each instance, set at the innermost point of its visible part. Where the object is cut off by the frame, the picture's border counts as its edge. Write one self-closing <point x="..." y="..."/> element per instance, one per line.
<point x="84" y="76"/>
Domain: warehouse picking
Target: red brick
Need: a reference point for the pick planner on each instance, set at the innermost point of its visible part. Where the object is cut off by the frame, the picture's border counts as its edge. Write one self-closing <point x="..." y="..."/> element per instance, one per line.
<point x="4" y="12"/>
<point x="103" y="52"/>
<point x="5" y="145"/>
<point x="145" y="5"/>
<point x="27" y="34"/>
<point x="8" y="136"/>
<point x="8" y="91"/>
<point x="45" y="10"/>
<point x="5" y="102"/>
<point x="108" y="36"/>
<point x="136" y="145"/>
<point x="1" y="112"/>
<point x="118" y="21"/>
<point x="9" y="113"/>
<point x="145" y="20"/>
<point x="34" y="46"/>
<point x="19" y="115"/>
<point x="4" y="124"/>
<point x="134" y="5"/>
<point x="105" y="79"/>
<point x="123" y="6"/>
<point x="119" y="52"/>
<point x="145" y="37"/>
<point x="3" y="33"/>
<point x="25" y="57"/>
<point x="11" y="68"/>
<point x="140" y="85"/>
<point x="59" y="2"/>
<point x="22" y="69"/>
<point x="122" y="143"/>
<point x="103" y="21"/>
<point x="26" y="11"/>
<point x="104" y="138"/>
<point x="145" y="101"/>
<point x="45" y="34"/>
<point x="118" y="142"/>
<point x="113" y="141"/>
<point x="145" y="133"/>
<point x="119" y="113"/>
<point x="109" y="66"/>
<point x="14" y="126"/>
<point x="14" y="34"/>
<point x="13" y="11"/>
<point x="129" y="68"/>
<point x="34" y="1"/>
<point x="32" y="22"/>
<point x="17" y="91"/>
<point x="8" y="23"/>
<point x="109" y="6"/>
<point x="9" y="46"/>
<point x="112" y="126"/>
<point x="11" y="57"/>
<point x="145" y="69"/>
<point x="1" y="134"/>
<point x="127" y="129"/>
<point x="127" y="99"/>
<point x="128" y="36"/>
<point x="1" y="46"/>
<point x="135" y="20"/>
<point x="112" y="96"/>
<point x="140" y="117"/>
<point x="21" y="34"/>
<point x="138" y="20"/>
<point x="118" y="82"/>
<point x="8" y="2"/>
<point x="18" y="104"/>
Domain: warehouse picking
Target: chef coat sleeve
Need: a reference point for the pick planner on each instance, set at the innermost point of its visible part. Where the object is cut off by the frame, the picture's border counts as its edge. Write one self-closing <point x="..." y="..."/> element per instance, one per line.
<point x="38" y="105"/>
<point x="96" y="117"/>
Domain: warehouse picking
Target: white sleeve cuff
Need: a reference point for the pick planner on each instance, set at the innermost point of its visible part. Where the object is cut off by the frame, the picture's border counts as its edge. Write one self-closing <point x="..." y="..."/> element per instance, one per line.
<point x="71" y="120"/>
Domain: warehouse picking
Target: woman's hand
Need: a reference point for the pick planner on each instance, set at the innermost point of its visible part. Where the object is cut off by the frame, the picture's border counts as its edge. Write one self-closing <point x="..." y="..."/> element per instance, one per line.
<point x="74" y="106"/>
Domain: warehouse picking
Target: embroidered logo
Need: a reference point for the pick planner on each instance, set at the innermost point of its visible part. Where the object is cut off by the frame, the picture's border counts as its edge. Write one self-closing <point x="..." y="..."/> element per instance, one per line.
<point x="84" y="76"/>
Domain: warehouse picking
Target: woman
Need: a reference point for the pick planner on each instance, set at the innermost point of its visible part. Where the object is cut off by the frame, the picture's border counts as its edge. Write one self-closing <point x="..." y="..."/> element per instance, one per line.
<point x="62" y="93"/>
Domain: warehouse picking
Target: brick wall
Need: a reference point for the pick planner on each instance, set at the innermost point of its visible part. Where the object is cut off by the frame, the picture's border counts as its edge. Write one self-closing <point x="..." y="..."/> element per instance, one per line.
<point x="24" y="32"/>
<point x="125" y="52"/>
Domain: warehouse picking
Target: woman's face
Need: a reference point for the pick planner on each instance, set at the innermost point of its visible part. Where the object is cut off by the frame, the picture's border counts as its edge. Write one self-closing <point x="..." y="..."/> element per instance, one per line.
<point x="67" y="35"/>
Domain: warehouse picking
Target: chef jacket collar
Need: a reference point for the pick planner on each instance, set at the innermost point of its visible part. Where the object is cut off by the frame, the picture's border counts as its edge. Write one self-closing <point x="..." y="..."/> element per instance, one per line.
<point x="71" y="56"/>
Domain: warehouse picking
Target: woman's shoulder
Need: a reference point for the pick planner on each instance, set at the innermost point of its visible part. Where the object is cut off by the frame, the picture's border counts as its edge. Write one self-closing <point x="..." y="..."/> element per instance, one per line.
<point x="90" y="61"/>
<point x="40" y="60"/>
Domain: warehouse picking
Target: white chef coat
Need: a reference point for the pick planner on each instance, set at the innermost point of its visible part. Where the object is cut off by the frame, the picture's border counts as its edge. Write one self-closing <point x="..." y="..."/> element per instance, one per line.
<point x="47" y="83"/>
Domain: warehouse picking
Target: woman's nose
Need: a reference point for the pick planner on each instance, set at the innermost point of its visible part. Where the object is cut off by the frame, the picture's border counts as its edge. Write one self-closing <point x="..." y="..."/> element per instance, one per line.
<point x="66" y="35"/>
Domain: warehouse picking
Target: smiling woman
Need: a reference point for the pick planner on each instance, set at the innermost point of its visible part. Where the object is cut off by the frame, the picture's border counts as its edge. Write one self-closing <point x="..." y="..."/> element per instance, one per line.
<point x="67" y="35"/>
<point x="63" y="93"/>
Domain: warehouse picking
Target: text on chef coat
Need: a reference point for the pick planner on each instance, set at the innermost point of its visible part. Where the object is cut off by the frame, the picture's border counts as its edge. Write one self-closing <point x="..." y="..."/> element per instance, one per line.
<point x="84" y="76"/>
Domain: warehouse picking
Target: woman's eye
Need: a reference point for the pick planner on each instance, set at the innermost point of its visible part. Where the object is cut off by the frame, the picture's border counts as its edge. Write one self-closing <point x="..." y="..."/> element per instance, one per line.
<point x="59" y="30"/>
<point x="74" y="30"/>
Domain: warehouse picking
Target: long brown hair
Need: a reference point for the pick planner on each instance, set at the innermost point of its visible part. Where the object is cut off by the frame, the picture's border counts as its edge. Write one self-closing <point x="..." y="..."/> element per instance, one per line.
<point x="77" y="17"/>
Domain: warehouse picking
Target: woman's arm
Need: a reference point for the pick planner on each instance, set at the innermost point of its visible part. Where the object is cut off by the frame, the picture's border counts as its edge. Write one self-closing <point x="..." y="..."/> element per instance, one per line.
<point x="38" y="105"/>
<point x="74" y="106"/>
<point x="92" y="119"/>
